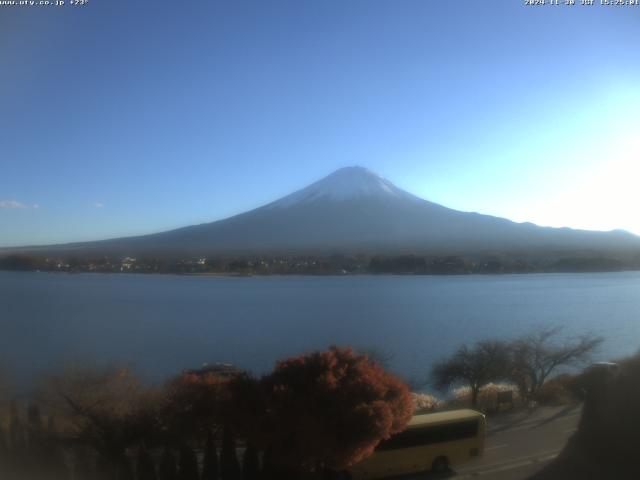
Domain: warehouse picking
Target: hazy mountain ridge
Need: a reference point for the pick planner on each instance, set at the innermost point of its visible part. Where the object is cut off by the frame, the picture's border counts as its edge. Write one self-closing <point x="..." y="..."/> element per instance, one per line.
<point x="353" y="210"/>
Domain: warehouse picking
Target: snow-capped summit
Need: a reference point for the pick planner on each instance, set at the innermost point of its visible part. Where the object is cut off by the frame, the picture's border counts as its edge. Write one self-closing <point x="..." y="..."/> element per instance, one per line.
<point x="344" y="184"/>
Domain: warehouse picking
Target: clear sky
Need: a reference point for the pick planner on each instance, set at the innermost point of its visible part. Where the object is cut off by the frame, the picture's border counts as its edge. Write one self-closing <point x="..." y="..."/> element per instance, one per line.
<point x="129" y="117"/>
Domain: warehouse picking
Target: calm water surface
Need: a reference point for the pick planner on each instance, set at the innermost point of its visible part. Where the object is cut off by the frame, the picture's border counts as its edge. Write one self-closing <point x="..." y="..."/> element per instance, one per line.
<point x="165" y="323"/>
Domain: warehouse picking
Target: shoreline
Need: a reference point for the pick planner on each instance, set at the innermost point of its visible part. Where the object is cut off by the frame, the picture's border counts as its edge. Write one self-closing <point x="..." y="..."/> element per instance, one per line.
<point x="349" y="274"/>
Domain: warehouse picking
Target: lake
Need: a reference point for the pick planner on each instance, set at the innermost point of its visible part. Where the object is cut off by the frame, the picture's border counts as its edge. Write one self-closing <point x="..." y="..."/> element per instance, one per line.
<point x="164" y="323"/>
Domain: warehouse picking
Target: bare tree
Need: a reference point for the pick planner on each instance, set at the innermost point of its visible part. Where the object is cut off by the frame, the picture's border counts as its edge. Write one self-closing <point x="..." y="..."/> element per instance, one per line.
<point x="472" y="366"/>
<point x="105" y="408"/>
<point x="536" y="356"/>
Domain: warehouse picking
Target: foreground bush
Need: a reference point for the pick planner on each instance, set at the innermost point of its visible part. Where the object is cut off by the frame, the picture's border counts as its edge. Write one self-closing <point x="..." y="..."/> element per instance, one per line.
<point x="325" y="410"/>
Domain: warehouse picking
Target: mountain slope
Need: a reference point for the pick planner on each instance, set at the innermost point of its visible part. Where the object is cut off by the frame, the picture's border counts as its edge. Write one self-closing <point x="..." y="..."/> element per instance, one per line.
<point x="354" y="210"/>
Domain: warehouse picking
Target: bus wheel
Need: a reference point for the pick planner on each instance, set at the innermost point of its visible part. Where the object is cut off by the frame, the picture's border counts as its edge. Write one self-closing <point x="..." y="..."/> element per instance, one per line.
<point x="440" y="464"/>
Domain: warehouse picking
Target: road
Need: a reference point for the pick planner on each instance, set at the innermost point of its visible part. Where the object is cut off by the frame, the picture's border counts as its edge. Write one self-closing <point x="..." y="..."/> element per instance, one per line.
<point x="519" y="444"/>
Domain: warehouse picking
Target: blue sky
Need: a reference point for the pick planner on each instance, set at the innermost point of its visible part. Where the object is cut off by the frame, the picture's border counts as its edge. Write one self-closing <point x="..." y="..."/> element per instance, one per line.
<point x="121" y="117"/>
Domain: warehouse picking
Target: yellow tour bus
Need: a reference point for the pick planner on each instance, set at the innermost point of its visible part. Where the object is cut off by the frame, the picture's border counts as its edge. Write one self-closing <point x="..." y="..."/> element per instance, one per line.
<point x="433" y="441"/>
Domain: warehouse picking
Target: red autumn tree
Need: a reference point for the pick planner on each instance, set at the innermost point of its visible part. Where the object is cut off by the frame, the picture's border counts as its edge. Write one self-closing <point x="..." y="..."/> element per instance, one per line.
<point x="193" y="404"/>
<point x="331" y="409"/>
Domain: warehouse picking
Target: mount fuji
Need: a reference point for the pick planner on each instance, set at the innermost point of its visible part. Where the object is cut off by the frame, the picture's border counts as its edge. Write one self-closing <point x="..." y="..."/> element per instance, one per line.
<point x="353" y="210"/>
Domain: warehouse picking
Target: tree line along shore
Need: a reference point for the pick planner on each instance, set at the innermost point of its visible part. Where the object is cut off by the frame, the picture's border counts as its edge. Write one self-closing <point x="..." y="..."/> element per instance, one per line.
<point x="329" y="265"/>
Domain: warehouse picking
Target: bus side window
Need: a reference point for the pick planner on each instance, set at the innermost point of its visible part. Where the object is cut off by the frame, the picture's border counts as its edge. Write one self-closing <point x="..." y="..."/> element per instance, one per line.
<point x="432" y="434"/>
